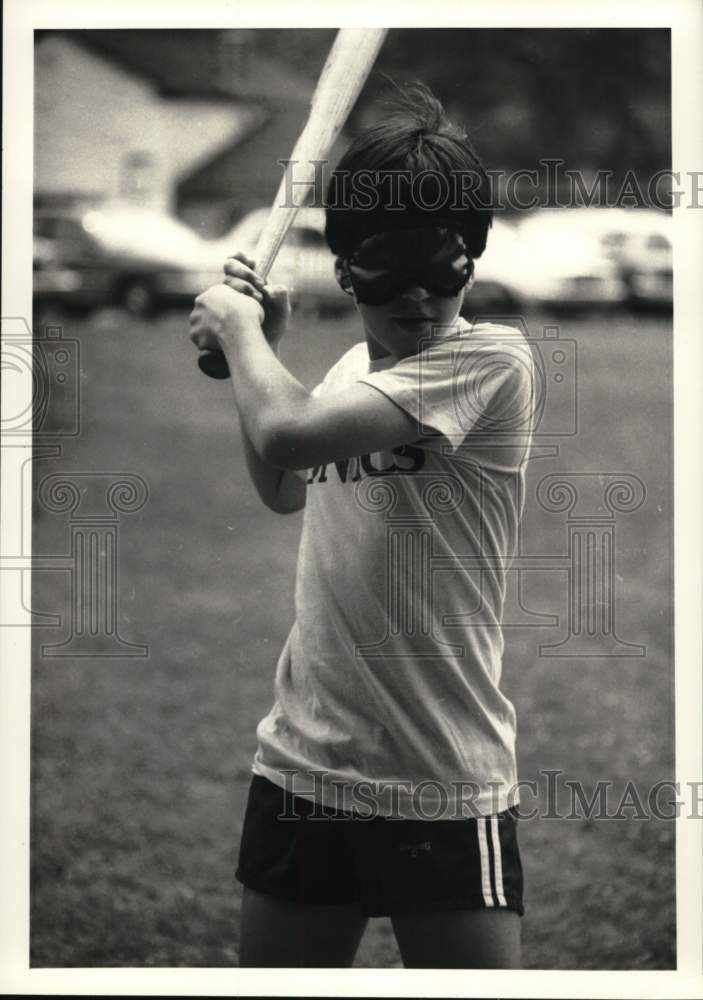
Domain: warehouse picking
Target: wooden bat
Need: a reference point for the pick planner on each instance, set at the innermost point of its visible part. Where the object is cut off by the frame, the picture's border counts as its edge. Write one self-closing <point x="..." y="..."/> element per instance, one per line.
<point x="348" y="64"/>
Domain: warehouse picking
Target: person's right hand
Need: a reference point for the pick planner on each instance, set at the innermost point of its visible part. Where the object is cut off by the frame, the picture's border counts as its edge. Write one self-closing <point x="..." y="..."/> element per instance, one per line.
<point x="240" y="274"/>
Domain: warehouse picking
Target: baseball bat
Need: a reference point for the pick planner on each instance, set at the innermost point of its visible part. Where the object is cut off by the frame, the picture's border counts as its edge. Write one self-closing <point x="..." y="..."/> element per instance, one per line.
<point x="348" y="64"/>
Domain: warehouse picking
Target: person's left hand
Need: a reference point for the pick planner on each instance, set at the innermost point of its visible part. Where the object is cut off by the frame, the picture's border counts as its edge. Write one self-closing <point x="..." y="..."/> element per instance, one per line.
<point x="219" y="311"/>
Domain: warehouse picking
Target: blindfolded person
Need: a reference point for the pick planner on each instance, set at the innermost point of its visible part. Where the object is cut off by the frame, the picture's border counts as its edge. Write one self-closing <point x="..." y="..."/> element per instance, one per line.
<point x="384" y="781"/>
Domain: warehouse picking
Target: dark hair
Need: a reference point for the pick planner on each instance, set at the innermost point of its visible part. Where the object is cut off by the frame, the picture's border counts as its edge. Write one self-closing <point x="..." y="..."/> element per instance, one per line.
<point x="414" y="140"/>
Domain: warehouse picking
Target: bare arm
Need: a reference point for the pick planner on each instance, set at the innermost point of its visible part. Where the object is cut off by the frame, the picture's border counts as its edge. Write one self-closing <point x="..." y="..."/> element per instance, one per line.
<point x="282" y="490"/>
<point x="289" y="428"/>
<point x="285" y="425"/>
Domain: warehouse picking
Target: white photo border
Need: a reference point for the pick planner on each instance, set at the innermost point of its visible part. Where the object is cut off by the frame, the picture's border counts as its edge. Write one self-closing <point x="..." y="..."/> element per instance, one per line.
<point x="685" y="18"/>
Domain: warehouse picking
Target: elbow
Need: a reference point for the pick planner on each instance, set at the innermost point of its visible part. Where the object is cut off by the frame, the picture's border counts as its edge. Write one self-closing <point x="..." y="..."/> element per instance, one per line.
<point x="278" y="508"/>
<point x="282" y="446"/>
<point x="285" y="507"/>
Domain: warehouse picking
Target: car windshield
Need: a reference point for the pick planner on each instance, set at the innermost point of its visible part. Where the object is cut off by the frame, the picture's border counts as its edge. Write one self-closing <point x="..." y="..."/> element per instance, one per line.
<point x="149" y="232"/>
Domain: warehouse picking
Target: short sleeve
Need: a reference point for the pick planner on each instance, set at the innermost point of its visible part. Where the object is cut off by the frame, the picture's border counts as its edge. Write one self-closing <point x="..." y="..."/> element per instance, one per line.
<point x="463" y="385"/>
<point x="344" y="372"/>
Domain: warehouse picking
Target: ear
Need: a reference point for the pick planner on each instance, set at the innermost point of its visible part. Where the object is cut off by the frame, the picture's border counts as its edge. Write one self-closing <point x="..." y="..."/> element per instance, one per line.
<point x="472" y="277"/>
<point x="341" y="273"/>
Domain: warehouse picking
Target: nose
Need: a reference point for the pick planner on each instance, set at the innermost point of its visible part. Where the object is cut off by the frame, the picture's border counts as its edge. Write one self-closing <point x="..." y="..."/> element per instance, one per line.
<point x="416" y="293"/>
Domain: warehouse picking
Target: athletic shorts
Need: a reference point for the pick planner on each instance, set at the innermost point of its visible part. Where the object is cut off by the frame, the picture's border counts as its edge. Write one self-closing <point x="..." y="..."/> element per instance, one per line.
<point x="389" y="866"/>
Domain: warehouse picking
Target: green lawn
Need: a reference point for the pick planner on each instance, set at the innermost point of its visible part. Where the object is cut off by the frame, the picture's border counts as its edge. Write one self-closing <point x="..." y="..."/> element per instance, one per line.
<point x="140" y="767"/>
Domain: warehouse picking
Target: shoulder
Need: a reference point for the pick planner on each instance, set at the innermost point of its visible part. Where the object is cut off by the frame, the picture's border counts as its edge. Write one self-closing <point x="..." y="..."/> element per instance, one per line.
<point x="352" y="363"/>
<point x="477" y="343"/>
<point x="493" y="337"/>
<point x="356" y="355"/>
<point x="498" y="344"/>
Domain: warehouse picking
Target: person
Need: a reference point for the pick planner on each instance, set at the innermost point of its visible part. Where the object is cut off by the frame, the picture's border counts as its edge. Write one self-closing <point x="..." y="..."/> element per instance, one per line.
<point x="384" y="782"/>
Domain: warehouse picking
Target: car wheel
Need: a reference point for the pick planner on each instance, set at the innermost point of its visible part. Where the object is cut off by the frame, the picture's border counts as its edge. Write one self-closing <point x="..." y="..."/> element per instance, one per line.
<point x="137" y="298"/>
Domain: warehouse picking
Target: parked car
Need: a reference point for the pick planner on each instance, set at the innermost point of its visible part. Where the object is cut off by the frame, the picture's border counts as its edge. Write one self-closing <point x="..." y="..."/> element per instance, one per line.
<point x="304" y="263"/>
<point x="546" y="266"/>
<point x="56" y="281"/>
<point x="494" y="291"/>
<point x="639" y="242"/>
<point x="120" y="255"/>
<point x="636" y="241"/>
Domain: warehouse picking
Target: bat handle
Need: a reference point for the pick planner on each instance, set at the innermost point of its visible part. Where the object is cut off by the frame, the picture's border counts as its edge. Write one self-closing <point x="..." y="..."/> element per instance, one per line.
<point x="213" y="364"/>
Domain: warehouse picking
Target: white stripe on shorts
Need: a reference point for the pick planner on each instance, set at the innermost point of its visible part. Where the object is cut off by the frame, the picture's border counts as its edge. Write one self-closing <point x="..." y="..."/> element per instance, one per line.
<point x="485" y="861"/>
<point x="497" y="861"/>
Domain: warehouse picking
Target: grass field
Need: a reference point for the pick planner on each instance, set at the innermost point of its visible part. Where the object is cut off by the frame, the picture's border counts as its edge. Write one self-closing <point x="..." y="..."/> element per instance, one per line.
<point x="141" y="766"/>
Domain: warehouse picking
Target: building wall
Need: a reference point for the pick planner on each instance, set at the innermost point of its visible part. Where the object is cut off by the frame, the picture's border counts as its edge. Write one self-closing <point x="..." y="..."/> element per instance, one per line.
<point x="247" y="176"/>
<point x="101" y="132"/>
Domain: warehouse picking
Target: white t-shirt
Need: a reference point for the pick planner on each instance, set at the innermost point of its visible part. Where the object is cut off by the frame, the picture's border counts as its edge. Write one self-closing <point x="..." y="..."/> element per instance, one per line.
<point x="387" y="691"/>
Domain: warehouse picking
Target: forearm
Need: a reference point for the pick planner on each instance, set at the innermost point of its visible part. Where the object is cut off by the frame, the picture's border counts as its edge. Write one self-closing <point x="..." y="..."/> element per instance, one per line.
<point x="265" y="478"/>
<point x="281" y="490"/>
<point x="266" y="394"/>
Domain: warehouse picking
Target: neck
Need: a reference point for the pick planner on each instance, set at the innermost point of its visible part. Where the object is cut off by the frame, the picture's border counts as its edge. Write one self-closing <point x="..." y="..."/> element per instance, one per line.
<point x="376" y="350"/>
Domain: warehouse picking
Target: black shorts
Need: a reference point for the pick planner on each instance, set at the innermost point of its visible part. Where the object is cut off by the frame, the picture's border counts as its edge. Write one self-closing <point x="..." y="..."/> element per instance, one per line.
<point x="290" y="850"/>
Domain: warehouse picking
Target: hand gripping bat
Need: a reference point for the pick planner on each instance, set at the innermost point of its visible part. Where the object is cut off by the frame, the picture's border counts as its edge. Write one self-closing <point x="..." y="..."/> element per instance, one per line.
<point x="348" y="64"/>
